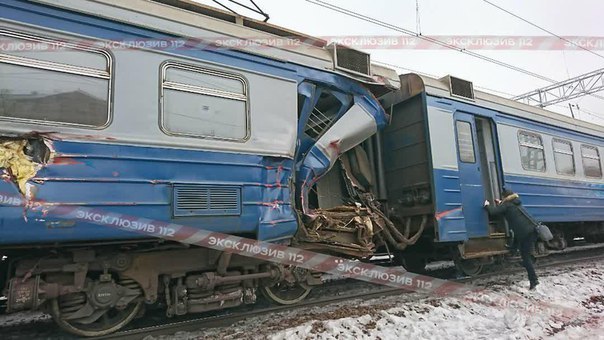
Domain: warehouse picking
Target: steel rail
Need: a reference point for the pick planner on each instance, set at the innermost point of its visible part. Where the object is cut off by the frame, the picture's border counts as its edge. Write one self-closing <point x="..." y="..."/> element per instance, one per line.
<point x="229" y="319"/>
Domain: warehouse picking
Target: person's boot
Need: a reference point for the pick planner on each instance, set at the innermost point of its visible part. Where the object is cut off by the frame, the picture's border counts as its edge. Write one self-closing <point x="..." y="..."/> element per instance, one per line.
<point x="533" y="285"/>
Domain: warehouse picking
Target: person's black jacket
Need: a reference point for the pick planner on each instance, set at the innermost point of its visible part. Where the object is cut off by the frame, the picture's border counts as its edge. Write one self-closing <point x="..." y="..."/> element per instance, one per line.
<point x="510" y="209"/>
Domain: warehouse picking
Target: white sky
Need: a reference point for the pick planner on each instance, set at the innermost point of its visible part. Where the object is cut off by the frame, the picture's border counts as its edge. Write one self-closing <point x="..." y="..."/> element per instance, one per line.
<point x="464" y="17"/>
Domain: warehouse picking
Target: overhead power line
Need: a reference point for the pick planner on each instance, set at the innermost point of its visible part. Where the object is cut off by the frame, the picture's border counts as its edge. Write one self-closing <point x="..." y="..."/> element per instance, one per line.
<point x="393" y="27"/>
<point x="580" y="93"/>
<point x="427" y="38"/>
<point x="256" y="9"/>
<point x="543" y="29"/>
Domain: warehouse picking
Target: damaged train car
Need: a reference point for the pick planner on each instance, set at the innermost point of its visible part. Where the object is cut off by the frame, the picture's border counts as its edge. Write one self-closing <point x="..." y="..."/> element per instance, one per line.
<point x="136" y="107"/>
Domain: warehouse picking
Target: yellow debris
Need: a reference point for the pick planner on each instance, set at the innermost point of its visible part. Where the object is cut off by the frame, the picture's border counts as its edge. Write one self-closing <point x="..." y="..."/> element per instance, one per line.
<point x="12" y="157"/>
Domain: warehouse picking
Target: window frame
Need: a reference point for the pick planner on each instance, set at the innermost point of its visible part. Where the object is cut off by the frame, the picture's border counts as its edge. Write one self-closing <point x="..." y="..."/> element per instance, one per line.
<point x="541" y="147"/>
<point x="572" y="154"/>
<point x="472" y="139"/>
<point x="599" y="159"/>
<point x="60" y="68"/>
<point x="193" y="89"/>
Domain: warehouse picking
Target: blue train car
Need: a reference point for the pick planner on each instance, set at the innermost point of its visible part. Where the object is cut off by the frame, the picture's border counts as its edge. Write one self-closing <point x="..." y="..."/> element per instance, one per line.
<point x="137" y="107"/>
<point x="450" y="148"/>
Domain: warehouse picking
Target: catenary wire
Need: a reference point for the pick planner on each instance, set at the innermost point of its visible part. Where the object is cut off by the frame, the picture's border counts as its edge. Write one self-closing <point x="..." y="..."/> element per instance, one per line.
<point x="543" y="29"/>
<point x="429" y="39"/>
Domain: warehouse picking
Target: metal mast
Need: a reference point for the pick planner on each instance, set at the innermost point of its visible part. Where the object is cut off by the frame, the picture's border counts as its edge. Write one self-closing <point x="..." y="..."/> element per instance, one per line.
<point x="582" y="85"/>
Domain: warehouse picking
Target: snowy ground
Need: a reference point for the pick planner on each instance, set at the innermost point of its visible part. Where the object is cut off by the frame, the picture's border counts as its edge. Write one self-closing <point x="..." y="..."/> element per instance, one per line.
<point x="408" y="316"/>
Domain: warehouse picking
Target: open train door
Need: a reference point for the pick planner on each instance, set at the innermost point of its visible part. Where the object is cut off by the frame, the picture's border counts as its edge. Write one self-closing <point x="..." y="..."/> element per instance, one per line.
<point x="470" y="176"/>
<point x="479" y="178"/>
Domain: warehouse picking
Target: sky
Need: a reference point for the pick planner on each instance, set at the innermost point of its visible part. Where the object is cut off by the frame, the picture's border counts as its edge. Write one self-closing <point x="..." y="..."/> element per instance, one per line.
<point x="464" y="17"/>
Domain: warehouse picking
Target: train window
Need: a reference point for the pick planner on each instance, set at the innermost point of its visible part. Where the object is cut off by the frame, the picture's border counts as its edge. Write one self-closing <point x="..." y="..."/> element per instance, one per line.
<point x="53" y="82"/>
<point x="591" y="161"/>
<point x="532" y="154"/>
<point x="465" y="142"/>
<point x="564" y="157"/>
<point x="204" y="103"/>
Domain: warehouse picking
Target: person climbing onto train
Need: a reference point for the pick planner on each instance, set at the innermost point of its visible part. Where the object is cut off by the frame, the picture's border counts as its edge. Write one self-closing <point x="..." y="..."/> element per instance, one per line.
<point x="523" y="228"/>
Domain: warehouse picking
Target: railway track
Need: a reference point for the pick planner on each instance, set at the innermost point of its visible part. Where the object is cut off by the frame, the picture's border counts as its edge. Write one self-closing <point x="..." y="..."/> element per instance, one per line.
<point x="155" y="324"/>
<point x="226" y="320"/>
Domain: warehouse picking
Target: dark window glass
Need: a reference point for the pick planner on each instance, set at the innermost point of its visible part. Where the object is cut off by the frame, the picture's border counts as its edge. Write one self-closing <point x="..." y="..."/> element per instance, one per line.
<point x="465" y="142"/>
<point x="591" y="161"/>
<point x="532" y="155"/>
<point x="564" y="157"/>
<point x="50" y="96"/>
<point x="53" y="82"/>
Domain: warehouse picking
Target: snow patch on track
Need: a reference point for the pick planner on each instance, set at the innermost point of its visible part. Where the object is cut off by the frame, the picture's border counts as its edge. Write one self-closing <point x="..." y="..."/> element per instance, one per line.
<point x="409" y="316"/>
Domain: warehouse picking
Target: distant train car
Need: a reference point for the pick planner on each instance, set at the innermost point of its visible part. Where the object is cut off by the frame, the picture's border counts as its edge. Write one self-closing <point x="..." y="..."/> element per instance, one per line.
<point x="143" y="108"/>
<point x="449" y="147"/>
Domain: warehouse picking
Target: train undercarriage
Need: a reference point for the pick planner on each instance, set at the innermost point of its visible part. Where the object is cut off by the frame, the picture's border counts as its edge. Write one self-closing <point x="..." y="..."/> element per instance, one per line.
<point x="95" y="292"/>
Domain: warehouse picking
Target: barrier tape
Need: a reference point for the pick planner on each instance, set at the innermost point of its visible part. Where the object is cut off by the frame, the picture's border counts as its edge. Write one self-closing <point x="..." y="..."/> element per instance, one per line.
<point x="393" y="277"/>
<point x="394" y="42"/>
<point x="388" y="276"/>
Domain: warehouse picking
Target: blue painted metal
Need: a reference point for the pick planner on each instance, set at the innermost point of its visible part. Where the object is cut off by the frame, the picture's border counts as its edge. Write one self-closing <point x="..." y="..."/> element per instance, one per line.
<point x="548" y="199"/>
<point x="139" y="180"/>
<point x="470" y="181"/>
<point x="448" y="206"/>
<point x="551" y="200"/>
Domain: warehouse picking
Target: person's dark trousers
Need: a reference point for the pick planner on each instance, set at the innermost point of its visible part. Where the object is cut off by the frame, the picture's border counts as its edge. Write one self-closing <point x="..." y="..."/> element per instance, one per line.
<point x="526" y="248"/>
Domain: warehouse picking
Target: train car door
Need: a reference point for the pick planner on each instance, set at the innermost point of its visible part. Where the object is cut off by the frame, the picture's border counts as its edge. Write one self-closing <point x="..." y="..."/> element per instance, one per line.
<point x="470" y="176"/>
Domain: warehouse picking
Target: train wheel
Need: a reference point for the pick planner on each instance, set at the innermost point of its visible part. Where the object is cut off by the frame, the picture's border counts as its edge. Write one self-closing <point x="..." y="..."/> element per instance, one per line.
<point x="93" y="322"/>
<point x="471" y="267"/>
<point x="286" y="294"/>
<point x="289" y="291"/>
<point x="414" y="264"/>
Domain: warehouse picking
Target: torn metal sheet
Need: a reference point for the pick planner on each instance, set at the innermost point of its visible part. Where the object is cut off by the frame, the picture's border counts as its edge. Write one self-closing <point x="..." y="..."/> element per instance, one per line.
<point x="345" y="229"/>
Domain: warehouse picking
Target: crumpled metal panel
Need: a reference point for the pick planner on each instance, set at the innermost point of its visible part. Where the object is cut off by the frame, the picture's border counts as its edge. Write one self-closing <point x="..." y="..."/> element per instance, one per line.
<point x="355" y="126"/>
<point x="346" y="229"/>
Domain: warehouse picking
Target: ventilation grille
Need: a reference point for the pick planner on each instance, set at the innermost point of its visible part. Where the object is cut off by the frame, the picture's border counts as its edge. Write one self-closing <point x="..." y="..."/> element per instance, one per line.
<point x="201" y="200"/>
<point x="461" y="88"/>
<point x="351" y="60"/>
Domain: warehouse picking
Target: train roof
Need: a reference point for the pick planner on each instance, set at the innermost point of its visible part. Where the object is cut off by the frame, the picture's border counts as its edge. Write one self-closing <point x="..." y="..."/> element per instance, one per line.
<point x="412" y="84"/>
<point x="189" y="19"/>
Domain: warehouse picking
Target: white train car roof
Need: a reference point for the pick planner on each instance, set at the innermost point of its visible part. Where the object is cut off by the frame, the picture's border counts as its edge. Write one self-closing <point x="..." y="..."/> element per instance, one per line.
<point x="412" y="84"/>
<point x="212" y="24"/>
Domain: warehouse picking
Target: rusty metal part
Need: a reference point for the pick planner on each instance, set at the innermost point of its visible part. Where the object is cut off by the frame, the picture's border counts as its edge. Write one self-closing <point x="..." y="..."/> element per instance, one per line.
<point x="347" y="230"/>
<point x="482" y="247"/>
<point x="223" y="263"/>
<point x="209" y="280"/>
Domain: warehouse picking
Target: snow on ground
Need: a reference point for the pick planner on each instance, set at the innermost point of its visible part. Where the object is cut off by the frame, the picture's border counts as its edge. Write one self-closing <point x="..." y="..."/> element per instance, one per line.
<point x="409" y="316"/>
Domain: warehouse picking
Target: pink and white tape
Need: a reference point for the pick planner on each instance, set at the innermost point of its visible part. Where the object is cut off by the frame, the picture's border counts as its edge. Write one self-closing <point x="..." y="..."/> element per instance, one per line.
<point x="395" y="277"/>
